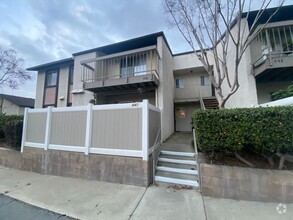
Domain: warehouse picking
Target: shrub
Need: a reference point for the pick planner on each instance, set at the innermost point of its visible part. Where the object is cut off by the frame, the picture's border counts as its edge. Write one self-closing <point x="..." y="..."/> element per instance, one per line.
<point x="13" y="133"/>
<point x="283" y="93"/>
<point x="266" y="130"/>
<point x="6" y="118"/>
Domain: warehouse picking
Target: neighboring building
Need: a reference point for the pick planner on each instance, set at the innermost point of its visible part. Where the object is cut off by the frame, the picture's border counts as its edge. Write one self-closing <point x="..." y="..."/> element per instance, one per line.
<point x="146" y="68"/>
<point x="14" y="105"/>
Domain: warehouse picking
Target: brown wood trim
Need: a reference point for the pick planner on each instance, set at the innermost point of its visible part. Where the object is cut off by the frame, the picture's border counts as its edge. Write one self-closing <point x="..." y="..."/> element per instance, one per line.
<point x="69" y="84"/>
<point x="45" y="87"/>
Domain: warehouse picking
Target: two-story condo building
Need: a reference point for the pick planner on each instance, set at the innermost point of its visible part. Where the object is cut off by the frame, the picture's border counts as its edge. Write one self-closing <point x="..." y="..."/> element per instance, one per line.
<point x="146" y="68"/>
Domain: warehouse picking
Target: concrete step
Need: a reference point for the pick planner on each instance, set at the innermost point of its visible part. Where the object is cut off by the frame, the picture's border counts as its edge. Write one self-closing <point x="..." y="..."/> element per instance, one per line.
<point x="177" y="170"/>
<point x="177" y="153"/>
<point x="177" y="161"/>
<point x="177" y="175"/>
<point x="176" y="157"/>
<point x="193" y="183"/>
<point x="176" y="165"/>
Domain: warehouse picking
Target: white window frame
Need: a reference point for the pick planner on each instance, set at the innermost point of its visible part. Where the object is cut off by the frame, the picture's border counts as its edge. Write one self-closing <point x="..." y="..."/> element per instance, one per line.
<point x="179" y="83"/>
<point x="205" y="81"/>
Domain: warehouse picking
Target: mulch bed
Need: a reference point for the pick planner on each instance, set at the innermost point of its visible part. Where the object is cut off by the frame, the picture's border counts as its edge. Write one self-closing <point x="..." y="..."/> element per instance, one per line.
<point x="257" y="160"/>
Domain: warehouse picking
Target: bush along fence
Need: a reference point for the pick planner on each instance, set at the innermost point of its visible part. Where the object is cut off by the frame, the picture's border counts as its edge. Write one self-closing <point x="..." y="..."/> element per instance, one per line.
<point x="266" y="131"/>
<point x="119" y="129"/>
<point x="11" y="130"/>
<point x="7" y="118"/>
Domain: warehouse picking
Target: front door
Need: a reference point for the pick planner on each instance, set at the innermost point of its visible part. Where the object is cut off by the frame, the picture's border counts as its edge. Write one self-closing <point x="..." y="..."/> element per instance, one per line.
<point x="183" y="114"/>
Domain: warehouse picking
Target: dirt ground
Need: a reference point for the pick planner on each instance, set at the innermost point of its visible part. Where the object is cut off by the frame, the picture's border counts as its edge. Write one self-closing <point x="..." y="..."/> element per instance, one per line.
<point x="257" y="160"/>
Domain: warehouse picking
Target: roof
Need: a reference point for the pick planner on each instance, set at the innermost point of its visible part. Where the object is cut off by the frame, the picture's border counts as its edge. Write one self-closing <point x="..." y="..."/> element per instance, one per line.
<point x="143" y="41"/>
<point x="285" y="13"/>
<point x="52" y="65"/>
<point x="20" y="101"/>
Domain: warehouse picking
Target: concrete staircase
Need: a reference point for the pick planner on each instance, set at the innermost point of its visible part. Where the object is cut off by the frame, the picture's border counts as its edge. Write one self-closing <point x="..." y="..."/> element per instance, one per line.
<point x="211" y="103"/>
<point x="177" y="167"/>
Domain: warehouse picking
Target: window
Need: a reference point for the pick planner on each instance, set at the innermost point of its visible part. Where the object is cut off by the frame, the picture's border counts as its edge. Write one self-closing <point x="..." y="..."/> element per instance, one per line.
<point x="70" y="85"/>
<point x="179" y="83"/>
<point x="204" y="81"/>
<point x="51" y="78"/>
<point x="133" y="65"/>
<point x="51" y="88"/>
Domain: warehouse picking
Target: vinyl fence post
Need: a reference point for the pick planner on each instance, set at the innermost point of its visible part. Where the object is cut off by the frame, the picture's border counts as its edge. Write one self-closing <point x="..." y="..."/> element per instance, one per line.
<point x="88" y="134"/>
<point x="48" y="128"/>
<point x="24" y="128"/>
<point x="145" y="129"/>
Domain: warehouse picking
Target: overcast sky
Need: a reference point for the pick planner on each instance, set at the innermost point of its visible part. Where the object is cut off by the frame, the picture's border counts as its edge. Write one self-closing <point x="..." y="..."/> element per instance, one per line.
<point x="46" y="30"/>
<point x="42" y="31"/>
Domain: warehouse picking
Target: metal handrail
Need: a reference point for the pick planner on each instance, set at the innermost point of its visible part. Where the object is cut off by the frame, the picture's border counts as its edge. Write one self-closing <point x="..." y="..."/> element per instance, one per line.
<point x="196" y="157"/>
<point x="119" y="76"/>
<point x="98" y="68"/>
<point x="155" y="159"/>
<point x="202" y="106"/>
<point x="195" y="144"/>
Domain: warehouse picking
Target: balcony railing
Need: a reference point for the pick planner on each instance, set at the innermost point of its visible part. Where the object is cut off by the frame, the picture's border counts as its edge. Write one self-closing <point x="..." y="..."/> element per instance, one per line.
<point x="130" y="67"/>
<point x="272" y="48"/>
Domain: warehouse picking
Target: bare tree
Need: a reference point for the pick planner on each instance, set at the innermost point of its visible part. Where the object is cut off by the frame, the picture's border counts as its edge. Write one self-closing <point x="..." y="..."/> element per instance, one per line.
<point x="214" y="29"/>
<point x="12" y="74"/>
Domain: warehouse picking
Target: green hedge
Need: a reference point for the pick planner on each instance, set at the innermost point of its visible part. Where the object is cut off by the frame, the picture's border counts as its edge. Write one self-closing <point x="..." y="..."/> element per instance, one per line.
<point x="6" y="118"/>
<point x="13" y="133"/>
<point x="266" y="130"/>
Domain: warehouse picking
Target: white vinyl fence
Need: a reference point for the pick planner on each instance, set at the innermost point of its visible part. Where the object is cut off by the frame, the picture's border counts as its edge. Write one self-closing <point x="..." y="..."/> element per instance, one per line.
<point x="119" y="129"/>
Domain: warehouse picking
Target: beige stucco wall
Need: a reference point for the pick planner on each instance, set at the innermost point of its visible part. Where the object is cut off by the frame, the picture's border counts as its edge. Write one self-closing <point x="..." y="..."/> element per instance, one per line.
<point x="166" y="89"/>
<point x="192" y="85"/>
<point x="8" y="108"/>
<point x="188" y="60"/>
<point x="246" y="95"/>
<point x="40" y="90"/>
<point x="63" y="87"/>
<point x="84" y="97"/>
<point x="264" y="90"/>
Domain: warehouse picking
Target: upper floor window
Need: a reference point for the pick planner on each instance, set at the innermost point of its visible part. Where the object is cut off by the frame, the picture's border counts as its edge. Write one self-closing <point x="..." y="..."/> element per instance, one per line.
<point x="51" y="88"/>
<point x="204" y="81"/>
<point x="179" y="83"/>
<point x="133" y="65"/>
<point x="51" y="78"/>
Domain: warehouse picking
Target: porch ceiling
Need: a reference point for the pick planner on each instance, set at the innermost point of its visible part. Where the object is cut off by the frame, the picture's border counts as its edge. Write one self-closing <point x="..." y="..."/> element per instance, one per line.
<point x="195" y="70"/>
<point x="275" y="75"/>
<point x="123" y="88"/>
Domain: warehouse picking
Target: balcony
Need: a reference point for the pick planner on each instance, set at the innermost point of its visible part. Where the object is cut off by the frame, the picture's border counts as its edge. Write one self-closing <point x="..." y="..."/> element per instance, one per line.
<point x="126" y="71"/>
<point x="272" y="54"/>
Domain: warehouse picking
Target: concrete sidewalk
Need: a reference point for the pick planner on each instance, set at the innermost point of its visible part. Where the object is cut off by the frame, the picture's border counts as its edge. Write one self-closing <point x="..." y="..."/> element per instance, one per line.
<point x="84" y="199"/>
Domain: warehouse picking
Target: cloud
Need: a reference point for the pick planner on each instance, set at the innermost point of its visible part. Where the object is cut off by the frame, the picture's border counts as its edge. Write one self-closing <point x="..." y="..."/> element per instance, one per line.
<point x="48" y="30"/>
